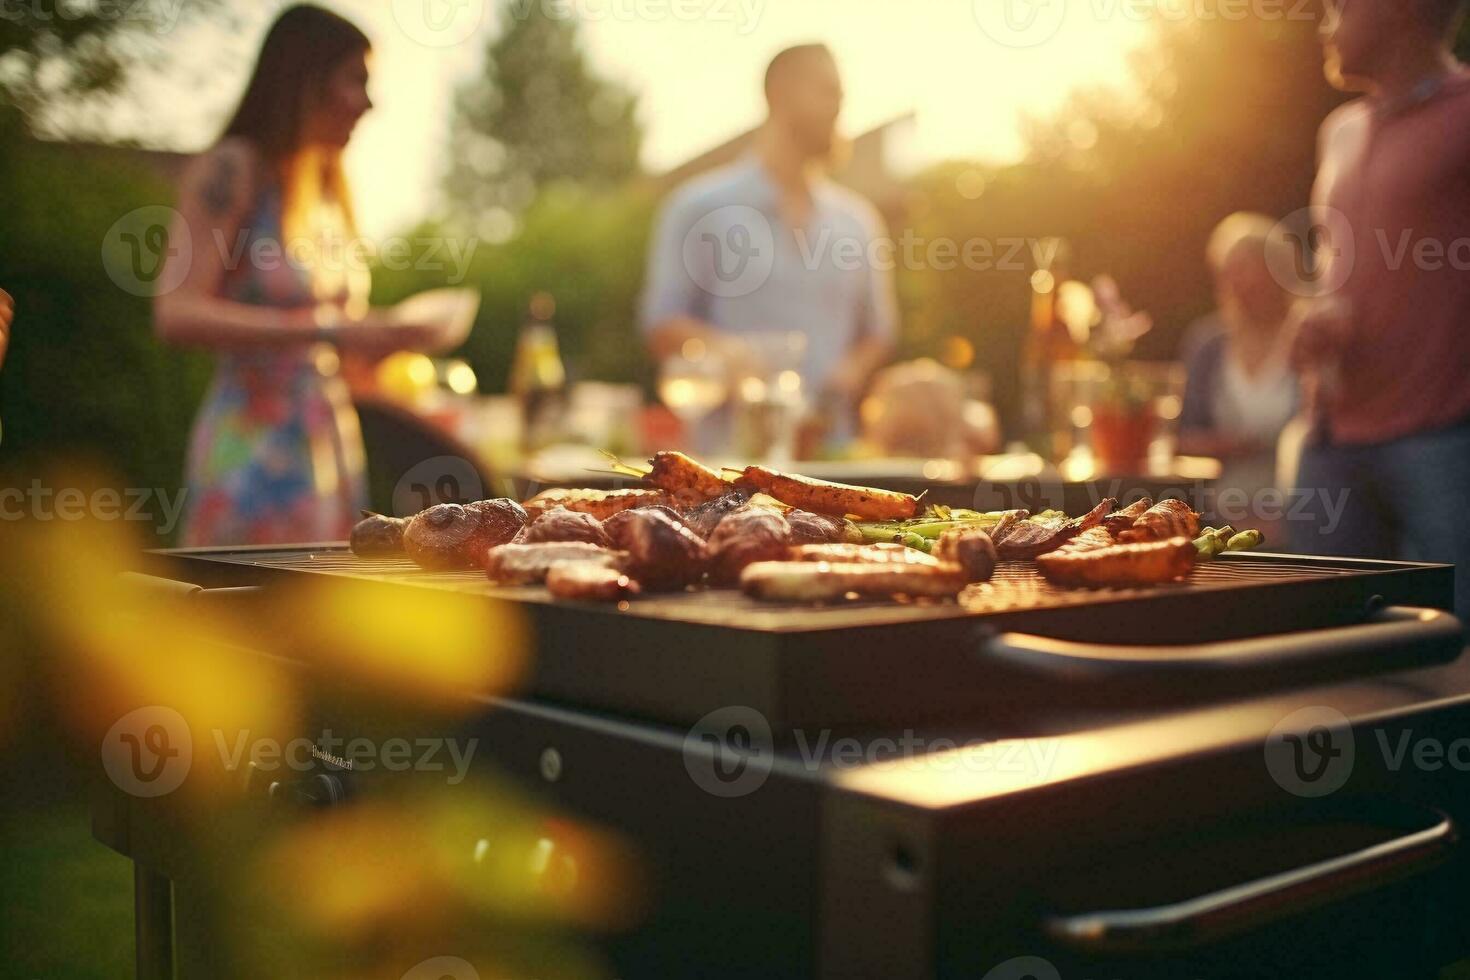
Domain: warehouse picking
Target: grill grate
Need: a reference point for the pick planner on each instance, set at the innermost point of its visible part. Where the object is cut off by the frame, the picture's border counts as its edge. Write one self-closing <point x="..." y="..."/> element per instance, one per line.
<point x="1016" y="587"/>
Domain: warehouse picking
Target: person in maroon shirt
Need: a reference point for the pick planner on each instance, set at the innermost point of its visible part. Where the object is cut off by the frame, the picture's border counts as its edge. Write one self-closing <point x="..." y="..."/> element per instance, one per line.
<point x="1384" y="343"/>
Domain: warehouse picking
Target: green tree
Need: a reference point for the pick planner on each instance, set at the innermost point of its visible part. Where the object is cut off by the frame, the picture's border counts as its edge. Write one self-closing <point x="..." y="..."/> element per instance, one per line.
<point x="536" y="115"/>
<point x="1226" y="121"/>
<point x="58" y="57"/>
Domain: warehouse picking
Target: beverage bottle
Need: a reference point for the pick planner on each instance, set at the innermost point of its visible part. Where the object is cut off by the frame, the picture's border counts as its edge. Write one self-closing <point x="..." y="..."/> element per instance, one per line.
<point x="538" y="379"/>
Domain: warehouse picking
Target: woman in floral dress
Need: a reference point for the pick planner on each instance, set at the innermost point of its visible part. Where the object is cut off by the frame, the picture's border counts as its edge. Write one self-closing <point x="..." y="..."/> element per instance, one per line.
<point x="258" y="273"/>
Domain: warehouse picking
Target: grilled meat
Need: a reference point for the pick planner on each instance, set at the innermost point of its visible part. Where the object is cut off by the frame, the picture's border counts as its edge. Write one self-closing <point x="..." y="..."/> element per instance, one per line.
<point x="685" y="480"/>
<point x="969" y="548"/>
<point x="1143" y="563"/>
<point x="616" y="525"/>
<point x="830" y="498"/>
<point x="589" y="582"/>
<point x="560" y="524"/>
<point x="1165" y="519"/>
<point x="450" y="536"/>
<point x="811" y="528"/>
<point x="375" y="535"/>
<point x="1121" y="520"/>
<point x="1023" y="539"/>
<point x="663" y="554"/>
<point x="744" y="537"/>
<point x="1091" y="539"/>
<point x="878" y="553"/>
<point x="601" y="504"/>
<point x="524" y="564"/>
<point x="704" y="518"/>
<point x="819" y="581"/>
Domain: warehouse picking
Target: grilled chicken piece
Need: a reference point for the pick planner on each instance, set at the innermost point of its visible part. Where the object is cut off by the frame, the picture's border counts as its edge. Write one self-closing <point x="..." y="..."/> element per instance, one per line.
<point x="1165" y="519"/>
<point x="616" y="525"/>
<point x="589" y="582"/>
<point x="560" y="524"/>
<point x="1028" y="538"/>
<point x="449" y="536"/>
<point x="1121" y="520"/>
<point x="877" y="553"/>
<point x="971" y="549"/>
<point x="663" y="554"/>
<point x="685" y="480"/>
<point x="601" y="504"/>
<point x="819" y="581"/>
<point x="704" y="518"/>
<point x="1144" y="563"/>
<point x="525" y="564"/>
<point x="747" y="536"/>
<point x="830" y="498"/>
<point x="811" y="528"/>
<point x="1091" y="539"/>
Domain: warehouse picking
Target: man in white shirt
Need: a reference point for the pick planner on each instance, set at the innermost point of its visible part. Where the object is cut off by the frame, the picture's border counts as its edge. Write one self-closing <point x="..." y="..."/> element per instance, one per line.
<point x="769" y="245"/>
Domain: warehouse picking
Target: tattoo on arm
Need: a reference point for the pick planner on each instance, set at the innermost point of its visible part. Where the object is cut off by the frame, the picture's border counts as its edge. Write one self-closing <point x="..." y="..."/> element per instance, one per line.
<point x="219" y="186"/>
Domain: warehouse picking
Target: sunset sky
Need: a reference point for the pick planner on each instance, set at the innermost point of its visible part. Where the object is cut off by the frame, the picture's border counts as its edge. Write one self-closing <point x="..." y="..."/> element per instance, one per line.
<point x="696" y="66"/>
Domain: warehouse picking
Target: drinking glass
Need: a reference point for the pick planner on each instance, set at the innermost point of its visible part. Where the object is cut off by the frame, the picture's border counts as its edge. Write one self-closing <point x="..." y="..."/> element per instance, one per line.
<point x="693" y="382"/>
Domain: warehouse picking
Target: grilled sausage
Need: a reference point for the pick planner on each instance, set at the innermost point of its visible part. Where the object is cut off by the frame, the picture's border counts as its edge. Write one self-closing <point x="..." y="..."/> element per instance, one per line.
<point x="823" y="497"/>
<point x="687" y="481"/>
<point x="589" y="582"/>
<point x="525" y="564"/>
<point x="601" y="504"/>
<point x="820" y="581"/>
<point x="877" y="553"/>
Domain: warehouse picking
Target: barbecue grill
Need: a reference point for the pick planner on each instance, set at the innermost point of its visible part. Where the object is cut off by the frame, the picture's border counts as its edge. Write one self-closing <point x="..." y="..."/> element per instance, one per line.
<point x="890" y="662"/>
<point x="1160" y="844"/>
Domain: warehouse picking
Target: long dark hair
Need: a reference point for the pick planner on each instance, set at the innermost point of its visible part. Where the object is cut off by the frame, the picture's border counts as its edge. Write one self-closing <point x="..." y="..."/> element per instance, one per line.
<point x="301" y="50"/>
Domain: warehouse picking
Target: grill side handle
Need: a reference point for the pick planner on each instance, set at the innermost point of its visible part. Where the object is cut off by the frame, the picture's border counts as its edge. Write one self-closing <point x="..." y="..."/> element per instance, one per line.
<point x="1242" y="908"/>
<point x="1404" y="634"/>
<point x="167" y="588"/>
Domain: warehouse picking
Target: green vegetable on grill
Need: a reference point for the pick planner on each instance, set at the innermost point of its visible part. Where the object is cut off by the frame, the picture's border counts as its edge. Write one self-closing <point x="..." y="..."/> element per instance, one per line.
<point x="918" y="541"/>
<point x="1214" y="541"/>
<point x="1245" y="541"/>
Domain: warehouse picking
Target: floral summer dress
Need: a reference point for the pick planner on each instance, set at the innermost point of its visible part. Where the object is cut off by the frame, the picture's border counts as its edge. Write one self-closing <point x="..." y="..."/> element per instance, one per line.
<point x="276" y="456"/>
